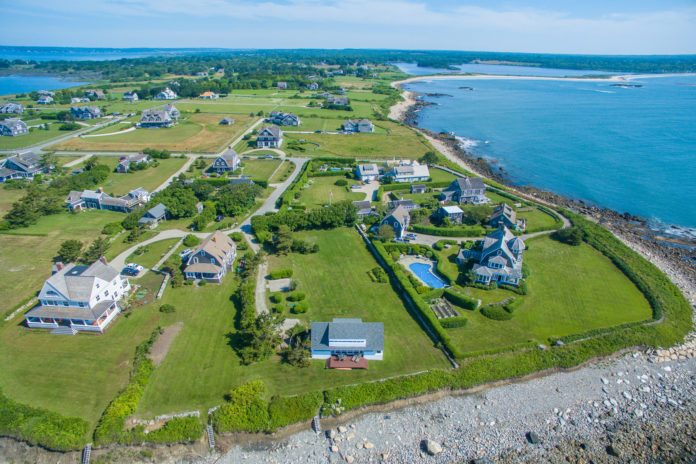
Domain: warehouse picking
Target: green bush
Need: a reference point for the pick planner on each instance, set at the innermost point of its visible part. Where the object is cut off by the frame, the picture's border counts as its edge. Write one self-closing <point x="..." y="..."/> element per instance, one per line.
<point x="276" y="297"/>
<point x="280" y="274"/>
<point x="513" y="304"/>
<point x="297" y="296"/>
<point x="341" y="183"/>
<point x="453" y="322"/>
<point x="191" y="240"/>
<point x="284" y="411"/>
<point x="176" y="430"/>
<point x="167" y="308"/>
<point x="237" y="236"/>
<point x="279" y="308"/>
<point x="460" y="300"/>
<point x="112" y="228"/>
<point x="245" y="411"/>
<point x="496" y="312"/>
<point x="40" y="426"/>
<point x="301" y="307"/>
<point x="472" y="231"/>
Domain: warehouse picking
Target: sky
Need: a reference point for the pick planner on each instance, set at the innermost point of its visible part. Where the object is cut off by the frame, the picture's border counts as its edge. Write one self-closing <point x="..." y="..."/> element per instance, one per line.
<point x="535" y="26"/>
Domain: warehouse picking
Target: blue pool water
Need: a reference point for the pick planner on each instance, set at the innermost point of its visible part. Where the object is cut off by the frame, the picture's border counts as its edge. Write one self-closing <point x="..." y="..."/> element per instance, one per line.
<point x="423" y="271"/>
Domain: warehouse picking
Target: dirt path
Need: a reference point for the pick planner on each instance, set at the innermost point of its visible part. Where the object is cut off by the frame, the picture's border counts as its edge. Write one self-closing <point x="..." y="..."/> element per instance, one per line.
<point x="164" y="341"/>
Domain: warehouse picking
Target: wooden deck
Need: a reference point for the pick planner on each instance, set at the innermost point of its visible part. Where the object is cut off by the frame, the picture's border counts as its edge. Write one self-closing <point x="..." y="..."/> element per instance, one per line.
<point x="334" y="363"/>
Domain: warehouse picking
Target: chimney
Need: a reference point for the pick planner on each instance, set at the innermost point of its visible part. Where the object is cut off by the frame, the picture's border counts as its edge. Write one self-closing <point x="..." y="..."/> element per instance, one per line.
<point x="214" y="238"/>
<point x="103" y="260"/>
<point x="100" y="190"/>
<point x="57" y="267"/>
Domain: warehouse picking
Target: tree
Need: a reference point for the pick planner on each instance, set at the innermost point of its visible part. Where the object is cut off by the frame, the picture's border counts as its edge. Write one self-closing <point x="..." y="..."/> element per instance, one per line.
<point x="236" y="199"/>
<point x="69" y="251"/>
<point x="283" y="240"/>
<point x="386" y="233"/>
<point x="96" y="250"/>
<point x="48" y="160"/>
<point x="570" y="236"/>
<point x="261" y="337"/>
<point x="478" y="214"/>
<point x="179" y="201"/>
<point x="430" y="157"/>
<point x="90" y="163"/>
<point x="191" y="240"/>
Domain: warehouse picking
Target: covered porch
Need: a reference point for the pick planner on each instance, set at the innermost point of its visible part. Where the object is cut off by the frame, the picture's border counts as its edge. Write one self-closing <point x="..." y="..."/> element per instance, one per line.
<point x="80" y="319"/>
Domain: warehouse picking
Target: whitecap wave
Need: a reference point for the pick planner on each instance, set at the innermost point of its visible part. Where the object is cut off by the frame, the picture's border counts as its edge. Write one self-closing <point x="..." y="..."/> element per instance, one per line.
<point x="466" y="144"/>
<point x="670" y="230"/>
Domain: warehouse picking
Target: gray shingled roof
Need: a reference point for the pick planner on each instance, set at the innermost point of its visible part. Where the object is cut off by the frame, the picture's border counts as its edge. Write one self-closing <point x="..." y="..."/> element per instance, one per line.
<point x="71" y="312"/>
<point x="76" y="282"/>
<point x="372" y="332"/>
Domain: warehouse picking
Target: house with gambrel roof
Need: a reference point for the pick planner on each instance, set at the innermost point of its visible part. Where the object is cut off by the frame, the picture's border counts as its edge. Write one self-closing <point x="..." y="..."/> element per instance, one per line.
<point x="228" y="161"/>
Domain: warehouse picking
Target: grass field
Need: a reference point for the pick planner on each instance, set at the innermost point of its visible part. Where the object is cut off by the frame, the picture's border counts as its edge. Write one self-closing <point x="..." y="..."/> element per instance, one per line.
<point x="194" y="132"/>
<point x="33" y="137"/>
<point x="259" y="168"/>
<point x="537" y="219"/>
<point x="152" y="253"/>
<point x="402" y="143"/>
<point x="571" y="290"/>
<point x="26" y="254"/>
<point x="7" y="197"/>
<point x="318" y="192"/>
<point x="283" y="172"/>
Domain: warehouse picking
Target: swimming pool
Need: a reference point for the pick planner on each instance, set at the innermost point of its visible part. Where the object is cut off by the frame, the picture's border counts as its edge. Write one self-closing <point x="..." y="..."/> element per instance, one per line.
<point x="424" y="272"/>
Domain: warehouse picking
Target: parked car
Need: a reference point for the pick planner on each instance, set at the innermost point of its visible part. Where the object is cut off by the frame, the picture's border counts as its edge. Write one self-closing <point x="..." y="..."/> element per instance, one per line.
<point x="411" y="236"/>
<point x="401" y="240"/>
<point x="129" y="271"/>
<point x="135" y="266"/>
<point x="219" y="218"/>
<point x="184" y="253"/>
<point x="268" y="156"/>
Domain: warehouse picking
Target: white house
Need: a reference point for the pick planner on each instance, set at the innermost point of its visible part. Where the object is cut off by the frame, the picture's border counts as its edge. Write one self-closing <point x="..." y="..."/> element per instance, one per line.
<point x="345" y="337"/>
<point x="11" y="108"/>
<point x="282" y="85"/>
<point x="45" y="100"/>
<point x="130" y="96"/>
<point x="86" y="112"/>
<point x="367" y="172"/>
<point x="466" y="190"/>
<point x="79" y="298"/>
<point x="166" y="94"/>
<point x="410" y="172"/>
<point x="283" y="119"/>
<point x="212" y="258"/>
<point x="25" y="165"/>
<point x="125" y="164"/>
<point x="163" y="116"/>
<point x="97" y="199"/>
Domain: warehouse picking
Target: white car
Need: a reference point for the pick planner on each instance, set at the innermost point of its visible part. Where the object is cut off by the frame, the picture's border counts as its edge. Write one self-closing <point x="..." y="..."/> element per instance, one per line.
<point x="411" y="236"/>
<point x="135" y="267"/>
<point x="184" y="253"/>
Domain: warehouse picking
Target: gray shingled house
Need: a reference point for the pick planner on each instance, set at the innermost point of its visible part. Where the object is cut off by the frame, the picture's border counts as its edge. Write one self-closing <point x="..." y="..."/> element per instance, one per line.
<point x="347" y="337"/>
<point x="466" y="190"/>
<point x="212" y="258"/>
<point x="500" y="258"/>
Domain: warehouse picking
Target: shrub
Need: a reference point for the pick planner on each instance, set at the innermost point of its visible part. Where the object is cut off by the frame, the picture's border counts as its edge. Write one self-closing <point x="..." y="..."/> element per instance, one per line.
<point x="277" y="297"/>
<point x="380" y="275"/>
<point x="571" y="236"/>
<point x="453" y="322"/>
<point x="513" y="304"/>
<point x="279" y="308"/>
<point x="167" y="308"/>
<point x="301" y="307"/>
<point x="202" y="283"/>
<point x="284" y="411"/>
<point x="341" y="182"/>
<point x="112" y="228"/>
<point x="191" y="240"/>
<point x="496" y="312"/>
<point x="237" y="236"/>
<point x="460" y="300"/>
<point x="245" y="410"/>
<point x="297" y="296"/>
<point x="280" y="274"/>
<point x="472" y="231"/>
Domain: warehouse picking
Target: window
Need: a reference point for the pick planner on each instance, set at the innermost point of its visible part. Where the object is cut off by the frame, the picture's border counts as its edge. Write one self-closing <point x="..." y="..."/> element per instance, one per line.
<point x="65" y="303"/>
<point x="81" y="304"/>
<point x="97" y="298"/>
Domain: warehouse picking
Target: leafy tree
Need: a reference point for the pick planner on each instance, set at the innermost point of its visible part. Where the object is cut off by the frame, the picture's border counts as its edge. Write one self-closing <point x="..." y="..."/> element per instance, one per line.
<point x="260" y="339"/>
<point x="430" y="157"/>
<point x="90" y="163"/>
<point x="236" y="199"/>
<point x="283" y="241"/>
<point x="386" y="233"/>
<point x="69" y="251"/>
<point x="298" y="352"/>
<point x="96" y="250"/>
<point x="179" y="200"/>
<point x="49" y="160"/>
<point x="191" y="240"/>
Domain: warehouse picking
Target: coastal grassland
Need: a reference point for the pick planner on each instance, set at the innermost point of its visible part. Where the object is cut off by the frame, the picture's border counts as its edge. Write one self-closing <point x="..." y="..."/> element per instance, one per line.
<point x="438" y="175"/>
<point x="537" y="219"/>
<point x="152" y="253"/>
<point x="63" y="160"/>
<point x="194" y="132"/>
<point x="401" y="142"/>
<point x="337" y="284"/>
<point x="287" y="168"/>
<point x="26" y="254"/>
<point x="7" y="197"/>
<point x="74" y="376"/>
<point x="121" y="183"/>
<point x="34" y="136"/>
<point x="571" y="290"/>
<point x="318" y="191"/>
<point x="119" y="244"/>
<point x="360" y="109"/>
<point x="259" y="168"/>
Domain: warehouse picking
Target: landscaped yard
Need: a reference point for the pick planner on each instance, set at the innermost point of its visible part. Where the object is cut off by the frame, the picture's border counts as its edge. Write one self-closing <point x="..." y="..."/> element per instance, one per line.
<point x="150" y="254"/>
<point x="571" y="290"/>
<point x="320" y="191"/>
<point x="194" y="132"/>
<point x="537" y="219"/>
<point x="259" y="168"/>
<point x="283" y="172"/>
<point x="33" y="137"/>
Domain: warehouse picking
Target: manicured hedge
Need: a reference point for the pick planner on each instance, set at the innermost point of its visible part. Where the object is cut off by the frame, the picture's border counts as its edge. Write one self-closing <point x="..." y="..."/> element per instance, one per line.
<point x="301" y="307"/>
<point x="512" y="305"/>
<point x="297" y="296"/>
<point x="496" y="312"/>
<point x="460" y="300"/>
<point x="403" y="186"/>
<point x="41" y="426"/>
<point x="329" y="173"/>
<point x="454" y="322"/>
<point x="473" y="231"/>
<point x="280" y="274"/>
<point x="289" y="195"/>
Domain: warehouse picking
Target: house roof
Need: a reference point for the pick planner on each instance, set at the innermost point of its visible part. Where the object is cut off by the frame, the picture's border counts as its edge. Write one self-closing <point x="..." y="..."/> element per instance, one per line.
<point x="270" y="130"/>
<point x="368" y="169"/>
<point x="467" y="183"/>
<point x="13" y="123"/>
<point x="71" y="312"/>
<point x="216" y="245"/>
<point x="157" y="211"/>
<point x="76" y="283"/>
<point x="505" y="210"/>
<point x="502" y="240"/>
<point x="398" y="213"/>
<point x="73" y="196"/>
<point x="418" y="186"/>
<point x="363" y="205"/>
<point x="229" y="156"/>
<point x="452" y="209"/>
<point x="413" y="170"/>
<point x="347" y="329"/>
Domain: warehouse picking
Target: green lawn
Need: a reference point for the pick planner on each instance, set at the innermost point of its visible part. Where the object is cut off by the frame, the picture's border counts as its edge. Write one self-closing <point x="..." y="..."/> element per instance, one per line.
<point x="571" y="290"/>
<point x="438" y="175"/>
<point x="537" y="219"/>
<point x="149" y="179"/>
<point x="259" y="168"/>
<point x="33" y="137"/>
<point x="287" y="168"/>
<point x="319" y="191"/>
<point x="26" y="254"/>
<point x="150" y="254"/>
<point x="7" y="197"/>
<point x="74" y="376"/>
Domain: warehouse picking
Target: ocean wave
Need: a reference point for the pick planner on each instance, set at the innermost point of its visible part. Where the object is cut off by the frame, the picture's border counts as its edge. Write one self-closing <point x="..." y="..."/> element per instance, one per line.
<point x="670" y="230"/>
<point x="466" y="144"/>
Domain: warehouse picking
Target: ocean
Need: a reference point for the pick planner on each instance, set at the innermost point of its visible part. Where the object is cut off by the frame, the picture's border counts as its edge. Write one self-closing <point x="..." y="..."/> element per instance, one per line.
<point x="22" y="84"/>
<point x="502" y="69"/>
<point x="630" y="149"/>
<point x="94" y="54"/>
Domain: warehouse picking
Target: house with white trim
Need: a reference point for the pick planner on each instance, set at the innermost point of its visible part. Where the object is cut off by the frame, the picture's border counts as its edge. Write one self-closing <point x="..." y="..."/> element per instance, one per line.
<point x="13" y="127"/>
<point x="367" y="172"/>
<point x="23" y="166"/>
<point x="411" y="171"/>
<point x="131" y="96"/>
<point x="283" y="119"/>
<point x="269" y="137"/>
<point x="79" y="298"/>
<point x="453" y="213"/>
<point x="162" y="116"/>
<point x="347" y="337"/>
<point x="504" y="215"/>
<point x="499" y="260"/>
<point x="97" y="199"/>
<point x="228" y="161"/>
<point x="85" y="112"/>
<point x="211" y="259"/>
<point x="399" y="219"/>
<point x="125" y="163"/>
<point x="466" y="190"/>
<point x="359" y="125"/>
<point x="166" y="94"/>
<point x="11" y="108"/>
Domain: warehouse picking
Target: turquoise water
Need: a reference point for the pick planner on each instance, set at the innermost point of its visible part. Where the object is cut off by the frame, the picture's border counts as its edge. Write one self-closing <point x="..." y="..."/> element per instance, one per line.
<point x="22" y="84"/>
<point x="629" y="149"/>
<point x="424" y="272"/>
<point x="414" y="69"/>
